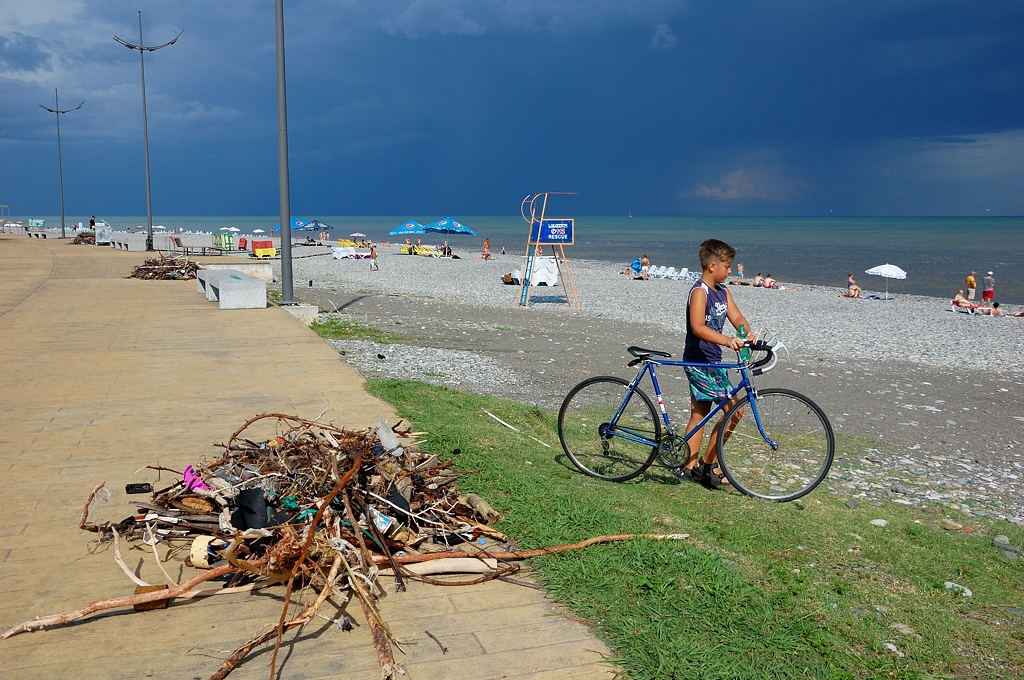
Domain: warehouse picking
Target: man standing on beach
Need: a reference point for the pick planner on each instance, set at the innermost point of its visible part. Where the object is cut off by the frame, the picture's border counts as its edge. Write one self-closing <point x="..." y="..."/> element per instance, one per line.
<point x="988" y="291"/>
<point x="970" y="283"/>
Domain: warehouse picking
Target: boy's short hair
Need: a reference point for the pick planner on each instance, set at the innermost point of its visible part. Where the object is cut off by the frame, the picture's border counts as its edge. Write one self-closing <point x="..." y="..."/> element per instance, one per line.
<point x="715" y="250"/>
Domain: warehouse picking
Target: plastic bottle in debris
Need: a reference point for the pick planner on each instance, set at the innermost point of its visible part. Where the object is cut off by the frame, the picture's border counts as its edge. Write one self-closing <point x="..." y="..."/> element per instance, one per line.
<point x="744" y="352"/>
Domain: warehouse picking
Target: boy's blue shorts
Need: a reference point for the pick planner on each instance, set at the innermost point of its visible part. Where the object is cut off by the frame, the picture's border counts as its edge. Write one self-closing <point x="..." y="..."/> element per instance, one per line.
<point x="708" y="384"/>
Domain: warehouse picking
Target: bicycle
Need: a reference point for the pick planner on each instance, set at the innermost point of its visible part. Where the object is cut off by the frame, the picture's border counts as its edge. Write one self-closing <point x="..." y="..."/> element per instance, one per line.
<point x="609" y="429"/>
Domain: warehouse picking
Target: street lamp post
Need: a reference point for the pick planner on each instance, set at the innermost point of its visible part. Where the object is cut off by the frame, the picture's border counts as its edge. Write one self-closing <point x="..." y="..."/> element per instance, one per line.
<point x="282" y="164"/>
<point x="141" y="47"/>
<point x="60" y="165"/>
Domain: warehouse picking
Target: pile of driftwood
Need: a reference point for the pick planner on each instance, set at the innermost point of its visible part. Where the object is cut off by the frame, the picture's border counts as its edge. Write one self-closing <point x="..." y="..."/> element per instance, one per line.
<point x="84" y="238"/>
<point x="311" y="506"/>
<point x="165" y="268"/>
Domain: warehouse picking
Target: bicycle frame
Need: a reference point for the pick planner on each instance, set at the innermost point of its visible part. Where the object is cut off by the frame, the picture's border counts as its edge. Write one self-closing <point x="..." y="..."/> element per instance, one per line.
<point x="648" y="369"/>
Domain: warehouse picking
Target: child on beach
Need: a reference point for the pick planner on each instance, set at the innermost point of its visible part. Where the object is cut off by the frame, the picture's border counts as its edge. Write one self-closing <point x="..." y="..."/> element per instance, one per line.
<point x="708" y="306"/>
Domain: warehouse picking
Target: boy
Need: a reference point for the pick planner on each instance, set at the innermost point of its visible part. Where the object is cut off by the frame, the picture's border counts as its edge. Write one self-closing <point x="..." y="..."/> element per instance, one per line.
<point x="708" y="306"/>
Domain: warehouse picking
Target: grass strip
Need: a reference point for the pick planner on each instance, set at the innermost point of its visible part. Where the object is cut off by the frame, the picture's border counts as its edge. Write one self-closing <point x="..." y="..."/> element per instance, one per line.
<point x="760" y="590"/>
<point x="346" y="329"/>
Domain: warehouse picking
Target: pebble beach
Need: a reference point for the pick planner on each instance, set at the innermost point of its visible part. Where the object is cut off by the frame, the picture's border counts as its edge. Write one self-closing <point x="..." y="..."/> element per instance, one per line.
<point x="937" y="392"/>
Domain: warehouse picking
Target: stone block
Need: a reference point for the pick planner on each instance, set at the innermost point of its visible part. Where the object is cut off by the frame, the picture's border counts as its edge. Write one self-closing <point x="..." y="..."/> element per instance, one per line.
<point x="307" y="314"/>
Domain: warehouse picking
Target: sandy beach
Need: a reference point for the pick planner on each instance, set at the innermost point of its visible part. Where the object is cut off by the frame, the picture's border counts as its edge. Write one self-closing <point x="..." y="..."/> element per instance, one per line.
<point x="935" y="393"/>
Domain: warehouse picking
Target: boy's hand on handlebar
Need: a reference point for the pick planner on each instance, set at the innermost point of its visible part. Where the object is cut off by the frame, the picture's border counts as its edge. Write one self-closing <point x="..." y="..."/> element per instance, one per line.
<point x="736" y="344"/>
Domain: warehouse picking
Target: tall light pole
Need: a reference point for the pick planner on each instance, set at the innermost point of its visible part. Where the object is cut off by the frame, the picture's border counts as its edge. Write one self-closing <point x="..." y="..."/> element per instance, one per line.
<point x="282" y="165"/>
<point x="60" y="165"/>
<point x="141" y="47"/>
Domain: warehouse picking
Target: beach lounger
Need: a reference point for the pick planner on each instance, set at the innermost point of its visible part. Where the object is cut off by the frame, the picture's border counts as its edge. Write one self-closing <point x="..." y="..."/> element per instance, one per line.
<point x="187" y="248"/>
<point x="670" y="273"/>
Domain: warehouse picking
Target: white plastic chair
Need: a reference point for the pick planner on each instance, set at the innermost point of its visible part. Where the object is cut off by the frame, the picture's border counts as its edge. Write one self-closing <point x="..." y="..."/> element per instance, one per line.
<point x="670" y="273"/>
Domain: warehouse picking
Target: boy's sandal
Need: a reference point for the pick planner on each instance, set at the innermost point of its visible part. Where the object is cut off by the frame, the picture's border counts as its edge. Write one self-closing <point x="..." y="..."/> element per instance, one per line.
<point x="685" y="474"/>
<point x="710" y="478"/>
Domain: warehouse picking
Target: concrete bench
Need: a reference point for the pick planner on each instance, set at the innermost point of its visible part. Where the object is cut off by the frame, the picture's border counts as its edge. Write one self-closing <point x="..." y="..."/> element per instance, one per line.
<point x="37" y="234"/>
<point x="238" y="291"/>
<point x="204" y="276"/>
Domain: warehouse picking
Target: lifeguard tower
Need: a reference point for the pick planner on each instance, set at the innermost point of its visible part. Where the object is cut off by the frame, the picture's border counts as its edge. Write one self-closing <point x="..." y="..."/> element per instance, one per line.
<point x="545" y="231"/>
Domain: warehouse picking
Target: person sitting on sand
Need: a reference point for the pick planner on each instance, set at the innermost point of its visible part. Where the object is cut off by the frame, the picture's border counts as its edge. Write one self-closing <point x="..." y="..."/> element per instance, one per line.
<point x="996" y="310"/>
<point x="769" y="282"/>
<point x="487" y="249"/>
<point x="852" y="289"/>
<point x="758" y="281"/>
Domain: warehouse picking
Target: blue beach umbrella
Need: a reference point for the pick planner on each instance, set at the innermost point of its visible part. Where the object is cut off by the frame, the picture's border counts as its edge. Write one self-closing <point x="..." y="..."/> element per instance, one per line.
<point x="295" y="222"/>
<point x="316" y="225"/>
<point x="410" y="227"/>
<point x="299" y="224"/>
<point x="448" y="225"/>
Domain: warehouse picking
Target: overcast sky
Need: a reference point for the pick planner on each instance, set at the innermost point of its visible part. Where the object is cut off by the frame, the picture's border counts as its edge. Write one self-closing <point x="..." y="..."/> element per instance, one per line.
<point x="431" y="107"/>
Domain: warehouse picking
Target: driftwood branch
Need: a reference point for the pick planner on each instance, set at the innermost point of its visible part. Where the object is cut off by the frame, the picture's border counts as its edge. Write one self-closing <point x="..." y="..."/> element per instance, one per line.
<point x="305" y="552"/>
<point x="120" y="561"/>
<point x="83" y="523"/>
<point x="41" y="622"/>
<point x="231" y="663"/>
<point x="526" y="554"/>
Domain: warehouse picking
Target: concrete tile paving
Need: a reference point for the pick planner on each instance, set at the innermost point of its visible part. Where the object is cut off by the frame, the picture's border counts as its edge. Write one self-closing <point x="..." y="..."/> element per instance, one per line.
<point x="100" y="376"/>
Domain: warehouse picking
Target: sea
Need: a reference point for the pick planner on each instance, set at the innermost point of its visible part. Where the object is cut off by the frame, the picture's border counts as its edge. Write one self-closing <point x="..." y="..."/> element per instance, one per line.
<point x="936" y="252"/>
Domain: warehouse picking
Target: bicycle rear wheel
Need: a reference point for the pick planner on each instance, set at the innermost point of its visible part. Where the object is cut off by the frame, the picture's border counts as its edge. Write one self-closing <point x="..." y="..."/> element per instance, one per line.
<point x="790" y="459"/>
<point x="601" y="444"/>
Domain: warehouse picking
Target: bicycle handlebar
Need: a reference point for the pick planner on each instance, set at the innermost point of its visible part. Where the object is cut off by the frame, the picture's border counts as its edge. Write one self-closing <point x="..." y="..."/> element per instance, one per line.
<point x="769" y="359"/>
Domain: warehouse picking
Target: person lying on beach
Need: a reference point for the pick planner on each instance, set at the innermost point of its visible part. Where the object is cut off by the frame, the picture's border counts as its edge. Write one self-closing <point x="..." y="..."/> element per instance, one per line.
<point x="740" y="283"/>
<point x="959" y="300"/>
<point x="758" y="281"/>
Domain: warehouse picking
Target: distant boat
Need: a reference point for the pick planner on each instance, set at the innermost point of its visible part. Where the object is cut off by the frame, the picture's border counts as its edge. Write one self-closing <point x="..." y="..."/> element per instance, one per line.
<point x="630" y="213"/>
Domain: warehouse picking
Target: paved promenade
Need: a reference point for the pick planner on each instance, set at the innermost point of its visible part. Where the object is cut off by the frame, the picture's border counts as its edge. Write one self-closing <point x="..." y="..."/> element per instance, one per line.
<point x="100" y="376"/>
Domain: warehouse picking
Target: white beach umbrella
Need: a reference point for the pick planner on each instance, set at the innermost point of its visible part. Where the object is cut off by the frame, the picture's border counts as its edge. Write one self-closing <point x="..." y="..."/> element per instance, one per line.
<point x="234" y="229"/>
<point x="887" y="271"/>
<point x="258" y="231"/>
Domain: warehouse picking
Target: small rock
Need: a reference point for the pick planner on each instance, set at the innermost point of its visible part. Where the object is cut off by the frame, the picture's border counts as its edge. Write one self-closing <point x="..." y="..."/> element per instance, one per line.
<point x="1001" y="541"/>
<point x="879" y="523"/>
<point x="851" y="503"/>
<point x="799" y="504"/>
<point x="968" y="530"/>
<point x="958" y="589"/>
<point x="899" y="488"/>
<point x="950" y="525"/>
<point x="1010" y="555"/>
<point x="894" y="649"/>
<point x="902" y="628"/>
<point x="1015" y="611"/>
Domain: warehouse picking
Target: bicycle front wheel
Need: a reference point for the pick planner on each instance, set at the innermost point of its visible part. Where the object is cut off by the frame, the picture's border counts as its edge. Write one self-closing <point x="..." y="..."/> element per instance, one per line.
<point x="787" y="456"/>
<point x="608" y="431"/>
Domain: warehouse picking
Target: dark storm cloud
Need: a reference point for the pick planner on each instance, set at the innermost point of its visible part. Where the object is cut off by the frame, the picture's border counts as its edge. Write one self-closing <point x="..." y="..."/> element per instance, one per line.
<point x="426" y="106"/>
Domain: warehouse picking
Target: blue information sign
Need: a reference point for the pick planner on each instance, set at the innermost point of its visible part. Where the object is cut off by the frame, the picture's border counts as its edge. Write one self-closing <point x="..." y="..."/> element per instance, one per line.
<point x="551" y="232"/>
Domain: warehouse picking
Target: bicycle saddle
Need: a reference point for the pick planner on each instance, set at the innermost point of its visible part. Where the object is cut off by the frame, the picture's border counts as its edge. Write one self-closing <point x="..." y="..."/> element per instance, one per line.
<point x="640" y="352"/>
